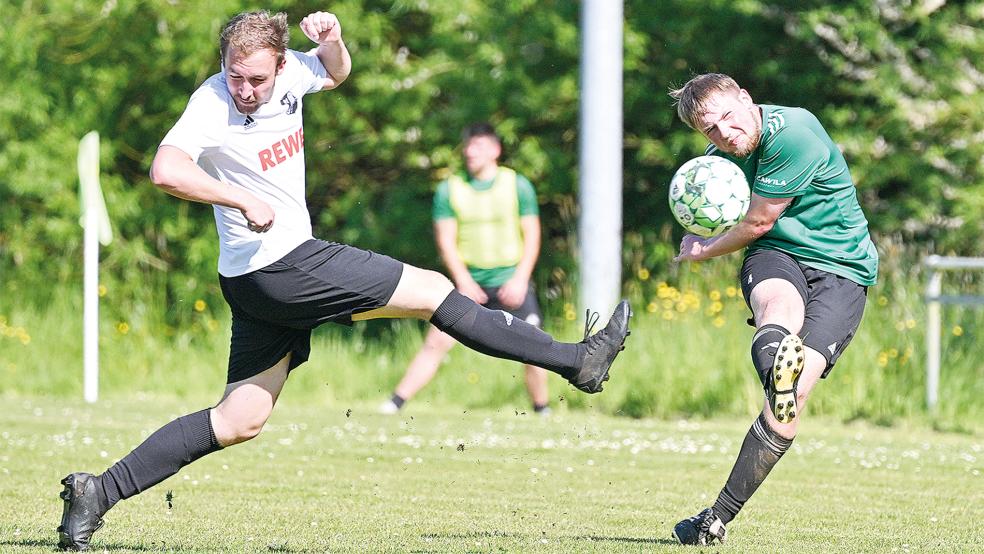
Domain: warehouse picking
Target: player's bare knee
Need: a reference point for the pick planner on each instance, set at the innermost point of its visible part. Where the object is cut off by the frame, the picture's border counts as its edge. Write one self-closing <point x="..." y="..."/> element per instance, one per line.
<point x="233" y="425"/>
<point x="421" y="290"/>
<point x="440" y="284"/>
<point x="245" y="429"/>
<point x="801" y="397"/>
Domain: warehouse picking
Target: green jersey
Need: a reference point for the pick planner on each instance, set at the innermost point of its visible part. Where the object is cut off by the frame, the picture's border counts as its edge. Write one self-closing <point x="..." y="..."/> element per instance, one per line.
<point x="523" y="200"/>
<point x="823" y="227"/>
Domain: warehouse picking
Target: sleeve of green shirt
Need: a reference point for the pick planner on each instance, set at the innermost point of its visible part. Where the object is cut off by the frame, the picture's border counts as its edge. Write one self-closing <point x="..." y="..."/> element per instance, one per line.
<point x="527" y="197"/>
<point x="791" y="159"/>
<point x="442" y="202"/>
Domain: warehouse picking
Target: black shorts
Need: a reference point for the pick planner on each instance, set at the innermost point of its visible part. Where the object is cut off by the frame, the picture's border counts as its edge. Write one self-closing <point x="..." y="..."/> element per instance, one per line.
<point x="528" y="311"/>
<point x="834" y="304"/>
<point x="275" y="308"/>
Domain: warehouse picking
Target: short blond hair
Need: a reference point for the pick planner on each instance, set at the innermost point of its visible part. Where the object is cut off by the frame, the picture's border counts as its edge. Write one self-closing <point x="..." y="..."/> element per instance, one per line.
<point x="249" y="32"/>
<point x="691" y="98"/>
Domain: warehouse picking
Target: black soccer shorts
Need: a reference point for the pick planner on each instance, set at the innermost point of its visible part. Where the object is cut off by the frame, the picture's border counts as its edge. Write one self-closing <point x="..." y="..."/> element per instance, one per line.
<point x="834" y="304"/>
<point x="275" y="308"/>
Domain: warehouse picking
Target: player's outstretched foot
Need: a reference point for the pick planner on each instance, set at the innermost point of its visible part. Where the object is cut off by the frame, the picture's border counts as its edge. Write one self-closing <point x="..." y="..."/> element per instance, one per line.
<point x="388" y="408"/>
<point x="82" y="515"/>
<point x="601" y="348"/>
<point x="786" y="371"/>
<point x="703" y="529"/>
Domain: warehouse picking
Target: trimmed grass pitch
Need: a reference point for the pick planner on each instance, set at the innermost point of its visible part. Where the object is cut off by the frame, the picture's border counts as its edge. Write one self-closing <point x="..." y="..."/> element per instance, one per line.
<point x="343" y="479"/>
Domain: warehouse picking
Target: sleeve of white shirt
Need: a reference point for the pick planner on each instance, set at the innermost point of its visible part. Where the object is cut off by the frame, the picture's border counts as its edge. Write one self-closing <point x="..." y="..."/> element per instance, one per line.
<point x="204" y="123"/>
<point x="313" y="73"/>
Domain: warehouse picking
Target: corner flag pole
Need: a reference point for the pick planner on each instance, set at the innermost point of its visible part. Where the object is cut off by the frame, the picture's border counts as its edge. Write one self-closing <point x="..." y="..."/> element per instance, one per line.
<point x="95" y="221"/>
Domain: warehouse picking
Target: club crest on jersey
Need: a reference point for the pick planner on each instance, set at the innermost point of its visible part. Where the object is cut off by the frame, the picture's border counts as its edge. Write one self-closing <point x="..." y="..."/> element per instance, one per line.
<point x="290" y="101"/>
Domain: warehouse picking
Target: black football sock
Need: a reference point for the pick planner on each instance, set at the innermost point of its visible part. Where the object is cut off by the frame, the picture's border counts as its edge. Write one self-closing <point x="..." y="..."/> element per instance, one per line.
<point x="499" y="334"/>
<point x="765" y="344"/>
<point x="760" y="451"/>
<point x="166" y="451"/>
<point x="397" y="400"/>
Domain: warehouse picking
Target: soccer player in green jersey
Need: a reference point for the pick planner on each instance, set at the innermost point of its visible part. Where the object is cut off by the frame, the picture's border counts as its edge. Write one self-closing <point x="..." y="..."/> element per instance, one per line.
<point x="808" y="263"/>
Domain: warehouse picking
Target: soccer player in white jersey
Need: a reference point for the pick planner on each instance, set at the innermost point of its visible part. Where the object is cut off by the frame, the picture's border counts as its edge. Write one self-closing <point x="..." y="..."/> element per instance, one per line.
<point x="240" y="146"/>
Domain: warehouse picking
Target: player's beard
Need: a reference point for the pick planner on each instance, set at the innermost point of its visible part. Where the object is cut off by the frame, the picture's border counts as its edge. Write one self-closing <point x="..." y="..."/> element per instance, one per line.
<point x="752" y="143"/>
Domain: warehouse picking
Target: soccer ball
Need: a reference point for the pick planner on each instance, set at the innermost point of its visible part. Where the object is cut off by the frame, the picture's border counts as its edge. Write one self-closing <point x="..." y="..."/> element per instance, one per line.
<point x="709" y="195"/>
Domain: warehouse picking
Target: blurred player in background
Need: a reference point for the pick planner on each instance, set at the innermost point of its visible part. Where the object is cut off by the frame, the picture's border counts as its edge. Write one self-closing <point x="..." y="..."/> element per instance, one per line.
<point x="487" y="228"/>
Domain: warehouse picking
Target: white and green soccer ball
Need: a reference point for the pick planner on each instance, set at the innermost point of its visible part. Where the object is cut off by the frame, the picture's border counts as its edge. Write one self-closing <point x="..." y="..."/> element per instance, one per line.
<point x="709" y="195"/>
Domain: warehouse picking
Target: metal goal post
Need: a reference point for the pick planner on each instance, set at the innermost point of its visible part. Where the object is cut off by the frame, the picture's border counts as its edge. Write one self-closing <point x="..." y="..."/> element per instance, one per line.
<point x="936" y="266"/>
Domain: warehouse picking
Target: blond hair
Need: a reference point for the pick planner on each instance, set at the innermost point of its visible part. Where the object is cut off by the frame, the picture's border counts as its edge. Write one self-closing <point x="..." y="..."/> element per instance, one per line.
<point x="691" y="98"/>
<point x="250" y="32"/>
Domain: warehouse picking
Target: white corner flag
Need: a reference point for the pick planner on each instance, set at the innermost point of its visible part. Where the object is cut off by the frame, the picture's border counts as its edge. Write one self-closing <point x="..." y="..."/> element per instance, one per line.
<point x="95" y="222"/>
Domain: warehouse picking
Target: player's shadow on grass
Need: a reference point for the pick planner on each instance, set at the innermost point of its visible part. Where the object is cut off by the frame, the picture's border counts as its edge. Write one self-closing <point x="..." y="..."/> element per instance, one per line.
<point x="634" y="540"/>
<point x="99" y="546"/>
<point x="591" y="538"/>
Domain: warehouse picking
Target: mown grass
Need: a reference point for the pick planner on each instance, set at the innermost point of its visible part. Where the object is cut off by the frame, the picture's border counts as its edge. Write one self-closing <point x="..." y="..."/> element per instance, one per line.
<point x="337" y="477"/>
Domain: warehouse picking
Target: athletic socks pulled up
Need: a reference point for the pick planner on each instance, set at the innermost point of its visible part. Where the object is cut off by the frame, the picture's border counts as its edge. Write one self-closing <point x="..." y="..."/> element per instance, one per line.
<point x="166" y="451"/>
<point x="397" y="400"/>
<point x="760" y="452"/>
<point x="499" y="334"/>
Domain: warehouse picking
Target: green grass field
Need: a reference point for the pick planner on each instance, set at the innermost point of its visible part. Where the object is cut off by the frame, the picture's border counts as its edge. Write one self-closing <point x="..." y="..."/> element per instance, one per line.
<point x="337" y="477"/>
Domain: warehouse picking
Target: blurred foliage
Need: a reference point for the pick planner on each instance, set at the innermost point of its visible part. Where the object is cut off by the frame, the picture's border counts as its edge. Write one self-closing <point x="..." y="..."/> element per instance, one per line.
<point x="897" y="84"/>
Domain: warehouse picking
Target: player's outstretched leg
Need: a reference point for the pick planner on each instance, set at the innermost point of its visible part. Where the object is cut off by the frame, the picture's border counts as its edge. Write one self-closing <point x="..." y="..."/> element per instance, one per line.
<point x="702" y="529"/>
<point x="584" y="364"/>
<point x="82" y="513"/>
<point x="781" y="385"/>
<point x="601" y="349"/>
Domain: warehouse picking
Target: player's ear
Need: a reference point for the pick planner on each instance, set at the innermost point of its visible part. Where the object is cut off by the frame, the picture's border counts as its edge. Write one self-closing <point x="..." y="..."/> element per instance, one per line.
<point x="281" y="65"/>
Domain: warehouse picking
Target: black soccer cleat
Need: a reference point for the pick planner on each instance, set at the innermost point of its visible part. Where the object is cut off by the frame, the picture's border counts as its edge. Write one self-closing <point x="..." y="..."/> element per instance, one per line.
<point x="601" y="348"/>
<point x="82" y="514"/>
<point x="782" y="383"/>
<point x="702" y="529"/>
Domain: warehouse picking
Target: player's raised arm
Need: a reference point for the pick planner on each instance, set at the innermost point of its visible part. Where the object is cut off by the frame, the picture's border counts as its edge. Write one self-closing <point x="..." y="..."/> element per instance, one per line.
<point x="324" y="29"/>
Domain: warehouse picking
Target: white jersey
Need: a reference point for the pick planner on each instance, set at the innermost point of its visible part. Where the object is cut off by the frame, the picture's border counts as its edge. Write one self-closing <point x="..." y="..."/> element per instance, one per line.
<point x="262" y="153"/>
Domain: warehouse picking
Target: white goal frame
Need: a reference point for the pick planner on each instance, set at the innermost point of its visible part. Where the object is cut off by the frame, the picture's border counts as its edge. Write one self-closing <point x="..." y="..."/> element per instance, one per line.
<point x="934" y="299"/>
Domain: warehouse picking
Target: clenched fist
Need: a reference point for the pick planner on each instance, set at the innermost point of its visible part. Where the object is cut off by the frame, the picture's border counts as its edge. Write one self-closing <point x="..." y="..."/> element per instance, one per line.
<point x="322" y="27"/>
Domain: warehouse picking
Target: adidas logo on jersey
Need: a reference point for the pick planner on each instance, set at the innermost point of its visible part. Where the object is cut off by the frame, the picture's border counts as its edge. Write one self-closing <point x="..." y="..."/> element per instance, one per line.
<point x="249" y="123"/>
